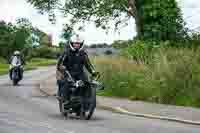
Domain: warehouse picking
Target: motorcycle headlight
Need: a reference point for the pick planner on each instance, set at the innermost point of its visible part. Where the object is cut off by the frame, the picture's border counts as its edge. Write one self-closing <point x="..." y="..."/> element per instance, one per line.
<point x="79" y="83"/>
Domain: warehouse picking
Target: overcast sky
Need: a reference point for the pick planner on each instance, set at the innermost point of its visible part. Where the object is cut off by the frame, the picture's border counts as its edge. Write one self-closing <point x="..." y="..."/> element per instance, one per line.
<point x="12" y="9"/>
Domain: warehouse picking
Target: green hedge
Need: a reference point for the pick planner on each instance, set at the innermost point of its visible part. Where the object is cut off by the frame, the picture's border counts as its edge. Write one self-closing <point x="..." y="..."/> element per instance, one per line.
<point x="42" y="52"/>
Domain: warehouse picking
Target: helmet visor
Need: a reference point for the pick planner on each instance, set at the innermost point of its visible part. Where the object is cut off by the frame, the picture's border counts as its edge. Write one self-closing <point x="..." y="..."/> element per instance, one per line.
<point x="76" y="45"/>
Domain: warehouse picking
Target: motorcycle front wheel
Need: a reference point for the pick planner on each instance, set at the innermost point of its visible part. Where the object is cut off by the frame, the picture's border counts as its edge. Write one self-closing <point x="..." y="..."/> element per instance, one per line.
<point x="89" y="106"/>
<point x="60" y="102"/>
<point x="15" y="82"/>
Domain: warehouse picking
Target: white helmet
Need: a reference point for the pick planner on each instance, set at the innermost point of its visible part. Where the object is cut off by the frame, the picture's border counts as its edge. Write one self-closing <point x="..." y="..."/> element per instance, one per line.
<point x="76" y="39"/>
<point x="16" y="53"/>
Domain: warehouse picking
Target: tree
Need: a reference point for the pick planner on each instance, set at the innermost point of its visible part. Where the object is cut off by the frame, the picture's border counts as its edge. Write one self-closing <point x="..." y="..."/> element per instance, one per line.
<point x="162" y="20"/>
<point x="43" y="38"/>
<point x="157" y="19"/>
<point x="61" y="44"/>
<point x="7" y="37"/>
<point x="120" y="44"/>
<point x="108" y="52"/>
<point x="40" y="34"/>
<point x="46" y="40"/>
<point x="67" y="32"/>
<point x="14" y="37"/>
<point x="23" y="33"/>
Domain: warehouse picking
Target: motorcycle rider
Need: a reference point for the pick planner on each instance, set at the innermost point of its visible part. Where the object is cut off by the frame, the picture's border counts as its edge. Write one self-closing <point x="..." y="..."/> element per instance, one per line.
<point x="16" y="58"/>
<point x="74" y="59"/>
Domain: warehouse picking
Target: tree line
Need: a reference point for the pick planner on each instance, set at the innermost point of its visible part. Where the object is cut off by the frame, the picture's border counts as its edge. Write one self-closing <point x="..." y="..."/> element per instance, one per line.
<point x="20" y="36"/>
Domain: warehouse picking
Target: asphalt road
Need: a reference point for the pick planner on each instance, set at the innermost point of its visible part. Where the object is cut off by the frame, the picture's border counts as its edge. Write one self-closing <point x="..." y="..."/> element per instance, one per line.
<point x="23" y="109"/>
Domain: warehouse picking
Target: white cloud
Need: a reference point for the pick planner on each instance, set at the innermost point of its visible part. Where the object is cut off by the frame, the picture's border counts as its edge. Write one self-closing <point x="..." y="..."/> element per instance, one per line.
<point x="191" y="12"/>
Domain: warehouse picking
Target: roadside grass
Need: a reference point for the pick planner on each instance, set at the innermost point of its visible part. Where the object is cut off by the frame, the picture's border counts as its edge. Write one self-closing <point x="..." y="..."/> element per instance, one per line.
<point x="3" y="68"/>
<point x="32" y="64"/>
<point x="172" y="77"/>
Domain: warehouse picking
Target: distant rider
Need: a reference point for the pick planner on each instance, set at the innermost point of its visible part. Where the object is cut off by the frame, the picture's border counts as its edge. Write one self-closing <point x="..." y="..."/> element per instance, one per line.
<point x="16" y="58"/>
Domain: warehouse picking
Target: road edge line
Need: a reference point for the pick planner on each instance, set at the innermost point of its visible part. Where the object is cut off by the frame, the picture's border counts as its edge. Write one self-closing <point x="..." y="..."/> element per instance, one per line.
<point x="126" y="112"/>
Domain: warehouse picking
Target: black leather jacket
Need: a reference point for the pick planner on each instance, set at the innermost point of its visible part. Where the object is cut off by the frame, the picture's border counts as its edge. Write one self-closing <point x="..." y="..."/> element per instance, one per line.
<point x="75" y="62"/>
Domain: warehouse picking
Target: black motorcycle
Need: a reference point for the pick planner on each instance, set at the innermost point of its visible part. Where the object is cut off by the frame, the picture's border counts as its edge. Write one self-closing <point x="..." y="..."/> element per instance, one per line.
<point x="82" y="98"/>
<point x="16" y="74"/>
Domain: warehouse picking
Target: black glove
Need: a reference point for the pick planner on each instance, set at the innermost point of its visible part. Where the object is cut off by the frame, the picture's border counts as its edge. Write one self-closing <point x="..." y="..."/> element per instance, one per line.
<point x="95" y="74"/>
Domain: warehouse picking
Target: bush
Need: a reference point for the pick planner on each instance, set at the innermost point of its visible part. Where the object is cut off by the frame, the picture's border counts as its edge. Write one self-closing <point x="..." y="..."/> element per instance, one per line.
<point x="122" y="44"/>
<point x="108" y="52"/>
<point x="177" y="71"/>
<point x="2" y="60"/>
<point x="3" y="66"/>
<point x="43" y="52"/>
<point x="119" y="76"/>
<point x="140" y="51"/>
<point x="171" y="77"/>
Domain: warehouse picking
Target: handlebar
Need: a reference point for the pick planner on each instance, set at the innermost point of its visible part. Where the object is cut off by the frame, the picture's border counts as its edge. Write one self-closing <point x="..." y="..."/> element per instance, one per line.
<point x="80" y="83"/>
<point x="16" y="65"/>
<point x="97" y="76"/>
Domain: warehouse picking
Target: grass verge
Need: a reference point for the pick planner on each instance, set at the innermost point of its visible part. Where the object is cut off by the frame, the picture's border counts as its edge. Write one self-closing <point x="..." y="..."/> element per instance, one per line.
<point x="172" y="76"/>
<point x="32" y="64"/>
